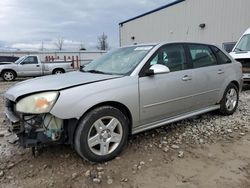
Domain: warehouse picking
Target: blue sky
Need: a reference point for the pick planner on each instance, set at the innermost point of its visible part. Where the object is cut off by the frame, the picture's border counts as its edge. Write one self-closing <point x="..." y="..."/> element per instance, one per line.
<point x="26" y="23"/>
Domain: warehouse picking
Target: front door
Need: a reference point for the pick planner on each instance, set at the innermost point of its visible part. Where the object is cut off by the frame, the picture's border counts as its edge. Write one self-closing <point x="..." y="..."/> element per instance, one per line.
<point x="170" y="94"/>
<point x="30" y="67"/>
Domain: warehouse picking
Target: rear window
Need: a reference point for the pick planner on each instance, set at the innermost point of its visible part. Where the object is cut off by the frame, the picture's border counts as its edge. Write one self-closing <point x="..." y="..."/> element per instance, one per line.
<point x="202" y="56"/>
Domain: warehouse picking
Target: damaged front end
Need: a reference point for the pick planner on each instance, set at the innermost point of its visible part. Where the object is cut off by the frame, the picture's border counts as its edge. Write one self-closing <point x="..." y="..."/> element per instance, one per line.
<point x="34" y="129"/>
<point x="37" y="130"/>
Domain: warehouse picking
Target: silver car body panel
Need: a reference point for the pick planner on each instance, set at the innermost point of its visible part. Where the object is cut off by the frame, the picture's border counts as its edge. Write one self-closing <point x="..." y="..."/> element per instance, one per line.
<point x="152" y="101"/>
<point x="123" y="90"/>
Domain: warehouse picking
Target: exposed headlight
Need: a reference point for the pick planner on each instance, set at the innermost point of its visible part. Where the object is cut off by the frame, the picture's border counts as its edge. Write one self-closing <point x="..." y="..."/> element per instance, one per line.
<point x="37" y="103"/>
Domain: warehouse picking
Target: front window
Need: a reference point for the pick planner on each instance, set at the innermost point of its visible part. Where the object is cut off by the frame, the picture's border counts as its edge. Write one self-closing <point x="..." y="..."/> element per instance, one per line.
<point x="172" y="56"/>
<point x="244" y="44"/>
<point x="30" y="60"/>
<point x="120" y="61"/>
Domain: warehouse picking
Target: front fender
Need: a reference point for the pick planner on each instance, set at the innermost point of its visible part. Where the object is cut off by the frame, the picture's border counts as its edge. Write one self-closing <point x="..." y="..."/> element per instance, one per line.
<point x="76" y="101"/>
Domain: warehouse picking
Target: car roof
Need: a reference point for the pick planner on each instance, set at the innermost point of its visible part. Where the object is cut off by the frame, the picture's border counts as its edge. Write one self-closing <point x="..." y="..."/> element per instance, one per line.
<point x="247" y="31"/>
<point x="164" y="43"/>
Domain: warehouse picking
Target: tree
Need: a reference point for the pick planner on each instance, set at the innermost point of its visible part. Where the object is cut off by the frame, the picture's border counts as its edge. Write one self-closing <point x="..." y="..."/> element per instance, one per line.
<point x="42" y="46"/>
<point x="59" y="43"/>
<point x="102" y="42"/>
<point x="82" y="46"/>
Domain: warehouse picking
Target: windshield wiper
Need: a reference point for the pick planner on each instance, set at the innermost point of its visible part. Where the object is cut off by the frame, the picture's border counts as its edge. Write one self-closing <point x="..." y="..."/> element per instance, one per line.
<point x="94" y="71"/>
<point x="238" y="49"/>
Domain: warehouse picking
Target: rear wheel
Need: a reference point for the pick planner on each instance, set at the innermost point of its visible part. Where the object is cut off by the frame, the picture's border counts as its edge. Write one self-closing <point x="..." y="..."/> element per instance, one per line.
<point x="101" y="134"/>
<point x="58" y="71"/>
<point x="8" y="75"/>
<point x="230" y="100"/>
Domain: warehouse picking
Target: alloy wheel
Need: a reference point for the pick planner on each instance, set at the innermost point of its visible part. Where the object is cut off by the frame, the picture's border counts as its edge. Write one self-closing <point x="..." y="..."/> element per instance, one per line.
<point x="231" y="99"/>
<point x="8" y="76"/>
<point x="105" y="135"/>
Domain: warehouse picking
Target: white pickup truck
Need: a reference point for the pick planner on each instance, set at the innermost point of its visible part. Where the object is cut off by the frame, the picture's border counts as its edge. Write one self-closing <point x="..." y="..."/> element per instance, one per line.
<point x="31" y="65"/>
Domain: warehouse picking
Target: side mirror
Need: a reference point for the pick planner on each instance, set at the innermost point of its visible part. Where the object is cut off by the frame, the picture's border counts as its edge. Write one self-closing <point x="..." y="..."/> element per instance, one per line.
<point x="157" y="69"/>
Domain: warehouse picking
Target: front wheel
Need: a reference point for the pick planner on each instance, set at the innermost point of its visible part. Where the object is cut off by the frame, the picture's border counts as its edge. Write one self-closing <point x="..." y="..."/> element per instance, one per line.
<point x="230" y="100"/>
<point x="8" y="75"/>
<point x="101" y="134"/>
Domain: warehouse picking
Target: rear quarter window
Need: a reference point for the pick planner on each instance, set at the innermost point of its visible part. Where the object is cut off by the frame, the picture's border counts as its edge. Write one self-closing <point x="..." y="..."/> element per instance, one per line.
<point x="221" y="57"/>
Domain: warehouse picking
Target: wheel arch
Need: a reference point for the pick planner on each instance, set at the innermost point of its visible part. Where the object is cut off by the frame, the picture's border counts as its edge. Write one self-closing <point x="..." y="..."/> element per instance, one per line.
<point x="123" y="108"/>
<point x="58" y="68"/>
<point x="235" y="82"/>
<point x="8" y="70"/>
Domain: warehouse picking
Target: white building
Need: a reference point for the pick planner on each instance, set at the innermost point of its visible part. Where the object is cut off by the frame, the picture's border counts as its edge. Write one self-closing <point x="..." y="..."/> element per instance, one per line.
<point x="209" y="21"/>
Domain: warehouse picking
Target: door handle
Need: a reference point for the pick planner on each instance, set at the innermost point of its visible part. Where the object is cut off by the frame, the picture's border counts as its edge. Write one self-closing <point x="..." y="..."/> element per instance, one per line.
<point x="186" y="78"/>
<point x="37" y="65"/>
<point x="220" y="71"/>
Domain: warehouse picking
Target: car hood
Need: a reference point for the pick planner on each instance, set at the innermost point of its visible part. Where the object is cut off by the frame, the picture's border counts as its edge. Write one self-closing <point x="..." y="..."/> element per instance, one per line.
<point x="240" y="55"/>
<point x="55" y="83"/>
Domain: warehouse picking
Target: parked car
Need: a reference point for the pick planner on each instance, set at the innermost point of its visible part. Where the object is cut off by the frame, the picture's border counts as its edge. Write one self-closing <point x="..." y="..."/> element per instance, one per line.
<point x="241" y="53"/>
<point x="228" y="46"/>
<point x="8" y="59"/>
<point x="126" y="91"/>
<point x="31" y="65"/>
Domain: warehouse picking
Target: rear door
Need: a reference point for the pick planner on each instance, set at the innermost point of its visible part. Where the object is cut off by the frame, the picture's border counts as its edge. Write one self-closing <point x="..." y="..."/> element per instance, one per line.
<point x="166" y="95"/>
<point x="208" y="77"/>
<point x="30" y="67"/>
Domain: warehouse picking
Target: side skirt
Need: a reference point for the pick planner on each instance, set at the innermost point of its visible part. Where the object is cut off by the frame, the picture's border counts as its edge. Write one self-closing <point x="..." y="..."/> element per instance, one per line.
<point x="173" y="119"/>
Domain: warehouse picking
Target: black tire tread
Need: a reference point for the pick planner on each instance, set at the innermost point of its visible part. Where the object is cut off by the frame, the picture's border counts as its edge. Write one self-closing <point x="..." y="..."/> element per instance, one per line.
<point x="84" y="124"/>
<point x="4" y="71"/>
<point x="223" y="109"/>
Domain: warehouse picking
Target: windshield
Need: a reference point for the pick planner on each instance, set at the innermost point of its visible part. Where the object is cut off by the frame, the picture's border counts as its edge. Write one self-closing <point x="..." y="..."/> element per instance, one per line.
<point x="120" y="61"/>
<point x="244" y="44"/>
<point x="19" y="60"/>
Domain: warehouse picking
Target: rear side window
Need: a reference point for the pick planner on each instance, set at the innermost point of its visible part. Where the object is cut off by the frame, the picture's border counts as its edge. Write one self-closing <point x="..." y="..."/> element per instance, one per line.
<point x="221" y="57"/>
<point x="201" y="56"/>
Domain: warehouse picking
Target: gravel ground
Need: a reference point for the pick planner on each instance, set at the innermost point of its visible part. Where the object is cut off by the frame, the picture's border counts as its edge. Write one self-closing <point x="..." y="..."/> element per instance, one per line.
<point x="206" y="151"/>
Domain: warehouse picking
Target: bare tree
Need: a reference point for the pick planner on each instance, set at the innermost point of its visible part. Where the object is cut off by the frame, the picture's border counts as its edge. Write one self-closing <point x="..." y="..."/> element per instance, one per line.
<point x="82" y="46"/>
<point x="59" y="43"/>
<point x="42" y="46"/>
<point x="102" y="42"/>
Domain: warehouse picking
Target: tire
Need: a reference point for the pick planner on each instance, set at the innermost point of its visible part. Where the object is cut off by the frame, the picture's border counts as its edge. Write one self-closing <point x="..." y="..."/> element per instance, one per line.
<point x="229" y="102"/>
<point x="8" y="75"/>
<point x="58" y="71"/>
<point x="98" y="140"/>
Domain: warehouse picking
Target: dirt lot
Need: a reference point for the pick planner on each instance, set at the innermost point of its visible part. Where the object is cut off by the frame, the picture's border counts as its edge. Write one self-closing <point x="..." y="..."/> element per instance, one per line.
<point x="203" y="152"/>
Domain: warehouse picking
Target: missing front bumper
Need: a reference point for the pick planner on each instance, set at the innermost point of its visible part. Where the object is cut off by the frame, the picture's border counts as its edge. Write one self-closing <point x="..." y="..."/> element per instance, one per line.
<point x="34" y="130"/>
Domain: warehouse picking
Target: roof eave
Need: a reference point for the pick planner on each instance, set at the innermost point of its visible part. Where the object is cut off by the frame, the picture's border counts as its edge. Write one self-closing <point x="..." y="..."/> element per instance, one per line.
<point x="152" y="11"/>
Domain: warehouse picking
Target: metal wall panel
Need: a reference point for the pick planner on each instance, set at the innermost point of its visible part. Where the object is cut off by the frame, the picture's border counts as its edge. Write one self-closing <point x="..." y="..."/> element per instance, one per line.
<point x="225" y="21"/>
